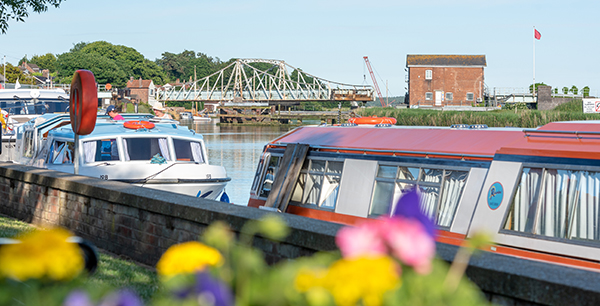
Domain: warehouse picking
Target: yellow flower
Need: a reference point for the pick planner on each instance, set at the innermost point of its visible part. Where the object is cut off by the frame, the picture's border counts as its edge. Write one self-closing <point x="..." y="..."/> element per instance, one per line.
<point x="42" y="254"/>
<point x="350" y="280"/>
<point x="186" y="258"/>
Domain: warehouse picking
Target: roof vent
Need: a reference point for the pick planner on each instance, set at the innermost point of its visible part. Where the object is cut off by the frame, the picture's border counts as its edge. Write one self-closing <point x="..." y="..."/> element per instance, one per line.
<point x="383" y="125"/>
<point x="459" y="126"/>
<point x="478" y="126"/>
<point x="348" y="124"/>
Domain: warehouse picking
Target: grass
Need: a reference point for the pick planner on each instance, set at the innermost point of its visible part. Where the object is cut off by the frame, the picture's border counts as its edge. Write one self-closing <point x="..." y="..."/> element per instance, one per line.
<point x="497" y="118"/>
<point x="112" y="272"/>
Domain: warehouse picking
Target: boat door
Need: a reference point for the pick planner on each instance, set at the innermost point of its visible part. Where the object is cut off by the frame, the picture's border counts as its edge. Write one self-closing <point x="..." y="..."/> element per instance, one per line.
<point x="438" y="97"/>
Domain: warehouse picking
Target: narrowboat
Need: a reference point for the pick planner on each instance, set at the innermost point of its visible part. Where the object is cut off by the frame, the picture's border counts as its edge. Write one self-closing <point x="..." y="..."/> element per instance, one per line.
<point x="158" y="154"/>
<point x="536" y="191"/>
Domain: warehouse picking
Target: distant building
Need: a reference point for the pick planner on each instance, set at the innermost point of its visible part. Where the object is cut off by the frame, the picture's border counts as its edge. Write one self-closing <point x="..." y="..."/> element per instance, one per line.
<point x="445" y="80"/>
<point x="142" y="90"/>
<point x="28" y="68"/>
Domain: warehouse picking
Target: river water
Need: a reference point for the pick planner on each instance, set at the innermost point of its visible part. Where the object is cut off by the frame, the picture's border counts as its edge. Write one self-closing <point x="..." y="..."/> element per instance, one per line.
<point x="238" y="149"/>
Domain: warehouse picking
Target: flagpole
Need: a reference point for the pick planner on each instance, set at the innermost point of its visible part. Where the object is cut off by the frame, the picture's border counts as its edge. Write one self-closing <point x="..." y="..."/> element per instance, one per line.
<point x="533" y="89"/>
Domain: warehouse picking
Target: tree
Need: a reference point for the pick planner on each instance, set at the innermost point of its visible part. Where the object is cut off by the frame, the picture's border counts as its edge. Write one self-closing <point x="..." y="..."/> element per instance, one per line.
<point x="536" y="86"/>
<point x="586" y="91"/>
<point x="182" y="66"/>
<point x="105" y="70"/>
<point x="47" y="61"/>
<point x="19" y="10"/>
<point x="573" y="89"/>
<point x="13" y="74"/>
<point x="555" y="91"/>
<point x="565" y="90"/>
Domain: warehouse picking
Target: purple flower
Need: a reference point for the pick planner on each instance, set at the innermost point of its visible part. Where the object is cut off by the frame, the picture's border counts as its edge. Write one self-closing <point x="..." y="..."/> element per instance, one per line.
<point x="212" y="290"/>
<point x="78" y="298"/>
<point x="122" y="298"/>
<point x="409" y="207"/>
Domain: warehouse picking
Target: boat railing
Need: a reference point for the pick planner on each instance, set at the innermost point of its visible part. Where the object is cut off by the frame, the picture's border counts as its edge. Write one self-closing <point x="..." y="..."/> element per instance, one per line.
<point x="578" y="134"/>
<point x="400" y="152"/>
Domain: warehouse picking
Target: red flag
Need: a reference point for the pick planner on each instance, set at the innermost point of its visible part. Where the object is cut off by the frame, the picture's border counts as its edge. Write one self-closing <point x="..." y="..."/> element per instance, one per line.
<point x="537" y="34"/>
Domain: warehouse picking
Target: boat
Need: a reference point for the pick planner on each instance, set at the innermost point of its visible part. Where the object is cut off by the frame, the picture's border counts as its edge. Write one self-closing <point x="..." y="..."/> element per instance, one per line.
<point x="158" y="154"/>
<point x="195" y="118"/>
<point x="372" y="120"/>
<point x="536" y="191"/>
<point x="18" y="106"/>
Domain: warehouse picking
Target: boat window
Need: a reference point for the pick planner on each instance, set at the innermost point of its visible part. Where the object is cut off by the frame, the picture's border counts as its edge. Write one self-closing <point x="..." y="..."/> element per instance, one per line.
<point x="28" y="145"/>
<point x="61" y="152"/>
<point x="557" y="203"/>
<point x="272" y="169"/>
<point x="100" y="150"/>
<point x="186" y="150"/>
<point x="318" y="183"/>
<point x="145" y="148"/>
<point x="440" y="189"/>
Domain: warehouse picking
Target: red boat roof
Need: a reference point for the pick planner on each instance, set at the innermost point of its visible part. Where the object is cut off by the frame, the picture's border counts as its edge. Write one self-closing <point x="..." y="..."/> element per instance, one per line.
<point x="432" y="140"/>
<point x="557" y="139"/>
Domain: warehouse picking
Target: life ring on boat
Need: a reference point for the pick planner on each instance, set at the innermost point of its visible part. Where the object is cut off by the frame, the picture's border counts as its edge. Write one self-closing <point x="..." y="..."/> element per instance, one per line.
<point x="372" y="120"/>
<point x="83" y="104"/>
<point x="138" y="124"/>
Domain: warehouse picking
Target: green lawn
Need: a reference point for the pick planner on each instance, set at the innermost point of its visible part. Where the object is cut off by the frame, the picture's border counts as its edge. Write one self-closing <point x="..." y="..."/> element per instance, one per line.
<point x="112" y="272"/>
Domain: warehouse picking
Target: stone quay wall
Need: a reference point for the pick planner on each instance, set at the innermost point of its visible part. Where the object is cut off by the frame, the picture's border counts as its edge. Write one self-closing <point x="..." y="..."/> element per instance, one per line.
<point x="142" y="223"/>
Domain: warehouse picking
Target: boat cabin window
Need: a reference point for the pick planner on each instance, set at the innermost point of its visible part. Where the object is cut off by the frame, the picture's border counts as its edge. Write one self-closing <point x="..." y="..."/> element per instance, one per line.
<point x="61" y="152"/>
<point x="556" y="203"/>
<point x="145" y="148"/>
<point x="318" y="183"/>
<point x="440" y="189"/>
<point x="272" y="169"/>
<point x="100" y="150"/>
<point x="186" y="150"/>
<point x="28" y="145"/>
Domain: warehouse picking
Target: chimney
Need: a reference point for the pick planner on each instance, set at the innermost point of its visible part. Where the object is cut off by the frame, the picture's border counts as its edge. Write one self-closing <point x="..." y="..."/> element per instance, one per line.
<point x="140" y="82"/>
<point x="46" y="73"/>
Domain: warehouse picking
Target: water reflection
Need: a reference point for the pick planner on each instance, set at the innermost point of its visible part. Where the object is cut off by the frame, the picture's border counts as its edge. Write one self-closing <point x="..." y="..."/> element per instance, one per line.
<point x="238" y="149"/>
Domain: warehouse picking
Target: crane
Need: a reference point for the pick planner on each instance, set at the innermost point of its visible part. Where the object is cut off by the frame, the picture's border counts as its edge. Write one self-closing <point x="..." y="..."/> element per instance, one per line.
<point x="374" y="80"/>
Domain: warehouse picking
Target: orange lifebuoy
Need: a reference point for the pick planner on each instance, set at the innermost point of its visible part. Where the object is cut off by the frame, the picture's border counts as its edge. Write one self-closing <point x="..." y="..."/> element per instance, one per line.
<point x="372" y="120"/>
<point x="83" y="104"/>
<point x="138" y="124"/>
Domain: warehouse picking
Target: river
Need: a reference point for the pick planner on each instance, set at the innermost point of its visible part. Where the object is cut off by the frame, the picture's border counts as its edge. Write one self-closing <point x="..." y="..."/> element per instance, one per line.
<point x="238" y="149"/>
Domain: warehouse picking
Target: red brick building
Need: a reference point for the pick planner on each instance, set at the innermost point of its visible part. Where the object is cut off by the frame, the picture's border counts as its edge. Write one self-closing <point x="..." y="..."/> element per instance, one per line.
<point x="142" y="90"/>
<point x="444" y="80"/>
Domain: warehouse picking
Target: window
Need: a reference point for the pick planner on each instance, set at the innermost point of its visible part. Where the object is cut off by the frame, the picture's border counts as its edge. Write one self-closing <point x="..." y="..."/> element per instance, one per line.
<point x="61" y="152"/>
<point x="470" y="96"/>
<point x="269" y="178"/>
<point x="556" y="203"/>
<point x="145" y="148"/>
<point x="186" y="150"/>
<point x="440" y="190"/>
<point x="429" y="96"/>
<point x="428" y="75"/>
<point x="100" y="150"/>
<point x="318" y="183"/>
<point x="449" y="96"/>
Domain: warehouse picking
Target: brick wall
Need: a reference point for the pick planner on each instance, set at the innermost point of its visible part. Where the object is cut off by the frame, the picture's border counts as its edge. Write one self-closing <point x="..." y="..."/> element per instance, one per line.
<point x="141" y="93"/>
<point x="457" y="80"/>
<point x="545" y="101"/>
<point x="142" y="223"/>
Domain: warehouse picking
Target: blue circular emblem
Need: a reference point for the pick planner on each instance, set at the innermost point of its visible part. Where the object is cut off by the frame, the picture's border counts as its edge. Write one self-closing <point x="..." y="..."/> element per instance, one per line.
<point x="495" y="195"/>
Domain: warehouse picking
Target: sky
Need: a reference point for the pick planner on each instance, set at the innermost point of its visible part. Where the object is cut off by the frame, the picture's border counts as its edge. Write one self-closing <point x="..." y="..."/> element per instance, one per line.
<point x="328" y="38"/>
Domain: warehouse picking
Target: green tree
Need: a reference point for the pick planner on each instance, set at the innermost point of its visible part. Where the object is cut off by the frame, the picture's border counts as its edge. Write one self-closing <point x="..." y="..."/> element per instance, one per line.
<point x="565" y="90"/>
<point x="536" y="86"/>
<point x="303" y="79"/>
<point x="555" y="91"/>
<point x="47" y="61"/>
<point x="18" y="10"/>
<point x="574" y="90"/>
<point x="104" y="69"/>
<point x="586" y="91"/>
<point x="13" y="73"/>
<point x="182" y="66"/>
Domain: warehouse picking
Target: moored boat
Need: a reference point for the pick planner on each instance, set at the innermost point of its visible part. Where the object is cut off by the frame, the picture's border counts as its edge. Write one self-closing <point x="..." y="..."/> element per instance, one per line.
<point x="160" y="155"/>
<point x="537" y="191"/>
<point x="372" y="120"/>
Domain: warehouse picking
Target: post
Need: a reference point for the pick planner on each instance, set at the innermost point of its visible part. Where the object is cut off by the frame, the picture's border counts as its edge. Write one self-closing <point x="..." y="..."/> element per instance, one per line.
<point x="339" y="113"/>
<point x="76" y="155"/>
<point x="533" y="88"/>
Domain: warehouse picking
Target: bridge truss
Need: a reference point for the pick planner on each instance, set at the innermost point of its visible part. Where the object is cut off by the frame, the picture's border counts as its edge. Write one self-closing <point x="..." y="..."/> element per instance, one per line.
<point x="263" y="80"/>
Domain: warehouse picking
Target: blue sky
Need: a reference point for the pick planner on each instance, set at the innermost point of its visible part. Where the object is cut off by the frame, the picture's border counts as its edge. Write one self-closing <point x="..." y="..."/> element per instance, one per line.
<point x="329" y="38"/>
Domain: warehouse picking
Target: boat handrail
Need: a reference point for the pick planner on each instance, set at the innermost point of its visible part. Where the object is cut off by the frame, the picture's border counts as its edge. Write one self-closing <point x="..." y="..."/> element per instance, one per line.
<point x="394" y="152"/>
<point x="576" y="133"/>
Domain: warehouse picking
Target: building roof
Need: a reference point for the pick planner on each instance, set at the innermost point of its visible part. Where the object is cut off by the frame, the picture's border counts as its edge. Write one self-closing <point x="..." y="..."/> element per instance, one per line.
<point x="139" y="83"/>
<point x="444" y="60"/>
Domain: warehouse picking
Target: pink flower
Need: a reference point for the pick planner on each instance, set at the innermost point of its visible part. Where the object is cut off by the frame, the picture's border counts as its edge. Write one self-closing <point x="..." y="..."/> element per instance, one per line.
<point x="365" y="239"/>
<point x="409" y="241"/>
